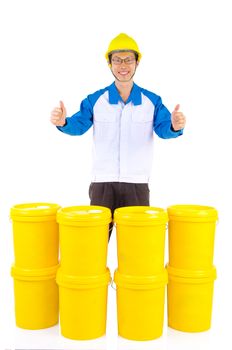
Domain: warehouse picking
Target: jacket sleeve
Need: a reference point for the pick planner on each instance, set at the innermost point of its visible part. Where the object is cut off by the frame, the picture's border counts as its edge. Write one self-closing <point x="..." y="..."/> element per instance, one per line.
<point x="162" y="122"/>
<point x="81" y="121"/>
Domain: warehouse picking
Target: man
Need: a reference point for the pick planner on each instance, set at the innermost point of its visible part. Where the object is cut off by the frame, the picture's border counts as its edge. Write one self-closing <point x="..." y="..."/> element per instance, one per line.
<point x="124" y="117"/>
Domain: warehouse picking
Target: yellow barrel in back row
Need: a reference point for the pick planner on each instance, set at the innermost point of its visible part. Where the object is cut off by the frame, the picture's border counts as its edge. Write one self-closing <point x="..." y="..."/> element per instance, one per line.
<point x="35" y="233"/>
<point x="84" y="234"/>
<point x="191" y="236"/>
<point x="140" y="240"/>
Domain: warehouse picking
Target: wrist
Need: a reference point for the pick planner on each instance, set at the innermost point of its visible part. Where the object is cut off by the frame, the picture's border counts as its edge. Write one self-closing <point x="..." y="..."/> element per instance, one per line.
<point x="64" y="123"/>
<point x="172" y="128"/>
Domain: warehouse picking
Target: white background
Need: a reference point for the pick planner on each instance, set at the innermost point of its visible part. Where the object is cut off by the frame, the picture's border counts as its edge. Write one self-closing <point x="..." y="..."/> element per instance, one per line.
<point x="52" y="50"/>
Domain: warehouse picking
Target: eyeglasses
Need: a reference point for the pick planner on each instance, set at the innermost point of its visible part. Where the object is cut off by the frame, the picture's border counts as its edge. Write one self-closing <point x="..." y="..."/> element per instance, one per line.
<point x="118" y="60"/>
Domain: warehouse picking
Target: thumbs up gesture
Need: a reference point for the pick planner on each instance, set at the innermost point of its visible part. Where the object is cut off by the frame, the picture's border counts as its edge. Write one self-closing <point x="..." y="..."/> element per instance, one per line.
<point x="58" y="115"/>
<point x="178" y="119"/>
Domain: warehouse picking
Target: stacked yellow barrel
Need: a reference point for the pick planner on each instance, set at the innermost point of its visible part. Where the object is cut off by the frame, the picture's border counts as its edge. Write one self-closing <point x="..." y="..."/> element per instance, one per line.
<point x="141" y="276"/>
<point x="83" y="277"/>
<point x="190" y="270"/>
<point x="35" y="234"/>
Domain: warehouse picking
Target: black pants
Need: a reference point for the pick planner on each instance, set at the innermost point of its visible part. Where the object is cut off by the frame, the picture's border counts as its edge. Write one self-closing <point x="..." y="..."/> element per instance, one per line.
<point x="118" y="194"/>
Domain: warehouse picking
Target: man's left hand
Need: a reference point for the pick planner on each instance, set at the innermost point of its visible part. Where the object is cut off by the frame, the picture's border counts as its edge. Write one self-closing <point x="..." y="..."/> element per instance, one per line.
<point x="178" y="119"/>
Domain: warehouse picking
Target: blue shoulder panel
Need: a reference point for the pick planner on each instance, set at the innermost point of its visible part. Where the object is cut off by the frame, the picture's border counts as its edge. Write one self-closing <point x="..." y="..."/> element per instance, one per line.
<point x="81" y="121"/>
<point x="162" y="117"/>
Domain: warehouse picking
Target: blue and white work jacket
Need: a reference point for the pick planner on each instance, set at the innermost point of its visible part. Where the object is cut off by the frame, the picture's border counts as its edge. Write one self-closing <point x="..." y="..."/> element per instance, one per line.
<point x="122" y="132"/>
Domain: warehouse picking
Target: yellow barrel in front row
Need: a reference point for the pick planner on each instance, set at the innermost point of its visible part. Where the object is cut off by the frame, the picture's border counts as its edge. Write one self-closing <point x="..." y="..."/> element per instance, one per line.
<point x="191" y="236"/>
<point x="83" y="234"/>
<point x="36" y="297"/>
<point x="36" y="236"/>
<point x="190" y="299"/>
<point x="140" y="305"/>
<point x="83" y="305"/>
<point x="140" y="239"/>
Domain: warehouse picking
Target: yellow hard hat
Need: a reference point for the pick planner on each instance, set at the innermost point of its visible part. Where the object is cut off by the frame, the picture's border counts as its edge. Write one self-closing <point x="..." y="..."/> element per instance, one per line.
<point x="123" y="42"/>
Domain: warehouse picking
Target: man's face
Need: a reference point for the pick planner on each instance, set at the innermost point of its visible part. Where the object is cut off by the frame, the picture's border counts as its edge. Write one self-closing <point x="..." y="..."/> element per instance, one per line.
<point x="123" y="70"/>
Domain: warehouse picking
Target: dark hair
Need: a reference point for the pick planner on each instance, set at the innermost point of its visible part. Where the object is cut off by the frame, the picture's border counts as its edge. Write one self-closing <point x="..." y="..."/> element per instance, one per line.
<point x="136" y="56"/>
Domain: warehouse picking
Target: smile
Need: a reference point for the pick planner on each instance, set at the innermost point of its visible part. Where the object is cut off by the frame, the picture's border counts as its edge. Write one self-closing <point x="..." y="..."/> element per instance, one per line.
<point x="123" y="73"/>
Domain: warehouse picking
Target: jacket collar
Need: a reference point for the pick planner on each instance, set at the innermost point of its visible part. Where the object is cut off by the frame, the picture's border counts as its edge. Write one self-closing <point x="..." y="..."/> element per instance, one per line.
<point x="135" y="95"/>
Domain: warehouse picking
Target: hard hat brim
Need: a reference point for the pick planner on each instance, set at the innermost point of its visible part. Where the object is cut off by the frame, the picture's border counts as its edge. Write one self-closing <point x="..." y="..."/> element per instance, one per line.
<point x="122" y="50"/>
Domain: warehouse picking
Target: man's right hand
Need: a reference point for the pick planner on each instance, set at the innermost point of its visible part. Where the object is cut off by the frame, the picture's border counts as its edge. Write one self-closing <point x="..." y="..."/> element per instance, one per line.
<point x="58" y="115"/>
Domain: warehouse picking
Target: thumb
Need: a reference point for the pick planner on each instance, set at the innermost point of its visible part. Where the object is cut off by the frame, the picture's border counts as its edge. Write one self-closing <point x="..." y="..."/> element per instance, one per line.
<point x="176" y="109"/>
<point x="62" y="105"/>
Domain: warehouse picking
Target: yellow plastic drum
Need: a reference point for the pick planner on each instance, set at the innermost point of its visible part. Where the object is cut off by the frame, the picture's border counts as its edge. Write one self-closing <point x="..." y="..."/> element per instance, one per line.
<point x="83" y="305"/>
<point x="140" y="305"/>
<point x="140" y="239"/>
<point x="191" y="236"/>
<point x="84" y="234"/>
<point x="36" y="297"/>
<point x="190" y="299"/>
<point x="36" y="235"/>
